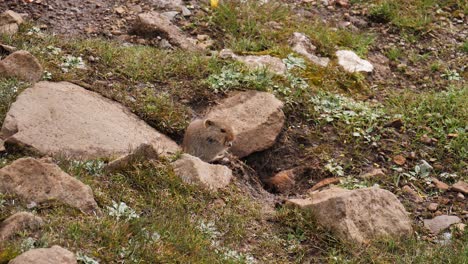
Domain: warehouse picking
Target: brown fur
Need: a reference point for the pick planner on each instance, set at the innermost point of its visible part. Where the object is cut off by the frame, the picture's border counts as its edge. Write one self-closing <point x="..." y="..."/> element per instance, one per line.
<point x="207" y="139"/>
<point x="282" y="182"/>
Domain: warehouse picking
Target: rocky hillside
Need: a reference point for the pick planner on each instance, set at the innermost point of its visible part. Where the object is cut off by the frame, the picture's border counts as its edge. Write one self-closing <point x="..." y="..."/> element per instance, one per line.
<point x="348" y="120"/>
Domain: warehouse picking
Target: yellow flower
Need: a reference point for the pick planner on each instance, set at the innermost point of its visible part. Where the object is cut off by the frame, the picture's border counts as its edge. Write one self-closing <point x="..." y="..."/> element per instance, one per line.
<point x="214" y="3"/>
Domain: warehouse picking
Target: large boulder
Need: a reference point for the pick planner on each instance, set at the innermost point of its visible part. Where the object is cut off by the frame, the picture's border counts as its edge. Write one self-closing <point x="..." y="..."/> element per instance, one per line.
<point x="256" y="119"/>
<point x="17" y="223"/>
<point x="9" y="22"/>
<point x="63" y="119"/>
<point x="53" y="255"/>
<point x="351" y="62"/>
<point x="154" y="23"/>
<point x="359" y="215"/>
<point x="193" y="170"/>
<point x="302" y="44"/>
<point x="40" y="180"/>
<point x="22" y="65"/>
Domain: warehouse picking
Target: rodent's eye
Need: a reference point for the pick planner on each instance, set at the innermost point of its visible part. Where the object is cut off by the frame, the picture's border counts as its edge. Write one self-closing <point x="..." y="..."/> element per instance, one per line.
<point x="223" y="130"/>
<point x="211" y="140"/>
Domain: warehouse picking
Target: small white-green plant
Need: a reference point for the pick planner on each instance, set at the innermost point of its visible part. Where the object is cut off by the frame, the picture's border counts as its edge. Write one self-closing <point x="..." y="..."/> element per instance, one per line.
<point x="82" y="258"/>
<point x="122" y="211"/>
<point x="421" y="171"/>
<point x="334" y="168"/>
<point x="292" y="62"/>
<point x="451" y="75"/>
<point x="27" y="244"/>
<point x="53" y="50"/>
<point x="92" y="167"/>
<point x="47" y="76"/>
<point x="72" y="62"/>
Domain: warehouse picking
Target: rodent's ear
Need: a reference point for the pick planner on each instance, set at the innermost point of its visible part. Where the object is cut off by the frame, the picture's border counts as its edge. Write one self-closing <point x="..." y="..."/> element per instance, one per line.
<point x="208" y="123"/>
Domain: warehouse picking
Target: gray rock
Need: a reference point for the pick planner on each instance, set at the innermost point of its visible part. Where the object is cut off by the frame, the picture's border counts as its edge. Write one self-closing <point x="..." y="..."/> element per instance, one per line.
<point x="256" y="119"/>
<point x="351" y="62"/>
<point x="193" y="170"/>
<point x="40" y="180"/>
<point x="273" y="64"/>
<point x="53" y="255"/>
<point x="9" y="22"/>
<point x="17" y="223"/>
<point x="361" y="215"/>
<point x="440" y="223"/>
<point x="143" y="152"/>
<point x="65" y="120"/>
<point x="170" y="15"/>
<point x="154" y="23"/>
<point x="302" y="45"/>
<point x="22" y="65"/>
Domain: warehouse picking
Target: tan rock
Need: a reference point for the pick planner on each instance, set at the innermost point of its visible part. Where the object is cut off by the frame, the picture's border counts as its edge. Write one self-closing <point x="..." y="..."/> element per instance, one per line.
<point x="271" y="63"/>
<point x="154" y="23"/>
<point x="193" y="170"/>
<point x="399" y="160"/>
<point x="413" y="195"/>
<point x="282" y="182"/>
<point x="9" y="29"/>
<point x="2" y="146"/>
<point x="373" y="173"/>
<point x="440" y="223"/>
<point x="40" y="180"/>
<point x="22" y="65"/>
<point x="256" y="118"/>
<point x="53" y="255"/>
<point x="324" y="183"/>
<point x="300" y="203"/>
<point x="303" y="45"/>
<point x="360" y="215"/>
<point x="6" y="49"/>
<point x="19" y="222"/>
<point x="143" y="152"/>
<point x="460" y="186"/>
<point x="9" y="17"/>
<point x="439" y="184"/>
<point x="433" y="207"/>
<point x="63" y="119"/>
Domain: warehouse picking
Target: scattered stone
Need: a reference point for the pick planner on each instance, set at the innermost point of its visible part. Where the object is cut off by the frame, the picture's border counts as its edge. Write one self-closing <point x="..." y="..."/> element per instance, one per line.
<point x="154" y="23"/>
<point x="460" y="227"/>
<point x="433" y="207"/>
<point x="143" y="152"/>
<point x="9" y="22"/>
<point x="439" y="184"/>
<point x="324" y="183"/>
<point x="425" y="139"/>
<point x="40" y="180"/>
<point x="440" y="223"/>
<point x="413" y="195"/>
<point x="66" y="120"/>
<point x="22" y="65"/>
<point x="460" y="197"/>
<point x="6" y="50"/>
<point x="373" y="173"/>
<point x="460" y="186"/>
<point x="282" y="182"/>
<point x="360" y="215"/>
<point x="185" y="11"/>
<point x="396" y="123"/>
<point x="352" y="63"/>
<point x="53" y="255"/>
<point x="302" y="45"/>
<point x="452" y="135"/>
<point x="17" y="223"/>
<point x="170" y="15"/>
<point x="256" y="119"/>
<point x="273" y="64"/>
<point x="399" y="160"/>
<point x="193" y="170"/>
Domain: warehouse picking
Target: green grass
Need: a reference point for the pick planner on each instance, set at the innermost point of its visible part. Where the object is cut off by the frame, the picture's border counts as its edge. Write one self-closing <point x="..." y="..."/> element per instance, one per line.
<point x="437" y="114"/>
<point x="9" y="90"/>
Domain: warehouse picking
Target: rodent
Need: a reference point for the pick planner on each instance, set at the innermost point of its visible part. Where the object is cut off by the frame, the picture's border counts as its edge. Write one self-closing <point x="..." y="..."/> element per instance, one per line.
<point x="208" y="139"/>
<point x="283" y="182"/>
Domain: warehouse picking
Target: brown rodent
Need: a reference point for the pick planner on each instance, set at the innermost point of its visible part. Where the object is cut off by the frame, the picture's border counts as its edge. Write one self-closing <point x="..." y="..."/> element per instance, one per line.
<point x="207" y="139"/>
<point x="282" y="182"/>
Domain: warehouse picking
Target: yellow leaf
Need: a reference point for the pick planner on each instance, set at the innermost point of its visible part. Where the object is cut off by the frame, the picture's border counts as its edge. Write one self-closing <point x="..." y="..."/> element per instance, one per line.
<point x="214" y="3"/>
